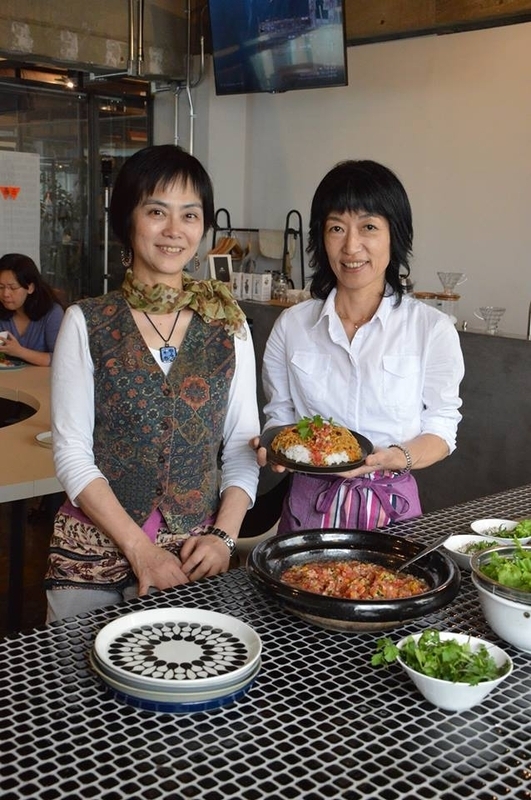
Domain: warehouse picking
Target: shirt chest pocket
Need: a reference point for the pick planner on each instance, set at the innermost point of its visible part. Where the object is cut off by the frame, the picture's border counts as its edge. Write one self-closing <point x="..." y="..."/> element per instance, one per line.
<point x="402" y="381"/>
<point x="310" y="371"/>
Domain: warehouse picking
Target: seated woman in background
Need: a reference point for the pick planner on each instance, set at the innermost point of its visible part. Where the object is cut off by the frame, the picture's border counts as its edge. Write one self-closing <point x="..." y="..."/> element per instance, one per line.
<point x="30" y="314"/>
<point x="377" y="362"/>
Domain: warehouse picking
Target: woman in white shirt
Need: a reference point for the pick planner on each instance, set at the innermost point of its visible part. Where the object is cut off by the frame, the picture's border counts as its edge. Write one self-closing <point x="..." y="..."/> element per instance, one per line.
<point x="149" y="384"/>
<point x="360" y="352"/>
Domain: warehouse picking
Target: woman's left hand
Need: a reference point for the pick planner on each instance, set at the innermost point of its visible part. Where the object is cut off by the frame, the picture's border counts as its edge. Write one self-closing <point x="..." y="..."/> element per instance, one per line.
<point x="382" y="458"/>
<point x="204" y="556"/>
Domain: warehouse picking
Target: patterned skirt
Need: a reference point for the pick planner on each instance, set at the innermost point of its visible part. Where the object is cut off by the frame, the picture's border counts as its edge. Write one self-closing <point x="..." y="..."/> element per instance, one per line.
<point x="83" y="557"/>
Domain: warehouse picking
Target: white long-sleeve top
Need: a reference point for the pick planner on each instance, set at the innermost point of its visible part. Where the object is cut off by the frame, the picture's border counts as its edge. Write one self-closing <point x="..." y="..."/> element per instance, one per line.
<point x="72" y="401"/>
<point x="398" y="377"/>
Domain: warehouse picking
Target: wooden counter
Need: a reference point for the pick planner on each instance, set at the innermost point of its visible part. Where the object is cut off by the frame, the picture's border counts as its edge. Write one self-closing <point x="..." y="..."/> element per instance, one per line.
<point x="26" y="468"/>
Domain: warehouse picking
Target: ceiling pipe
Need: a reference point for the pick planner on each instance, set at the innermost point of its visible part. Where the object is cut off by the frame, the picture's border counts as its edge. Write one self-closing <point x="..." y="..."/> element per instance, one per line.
<point x="135" y="64"/>
<point x="140" y="39"/>
<point x="135" y="61"/>
<point x="188" y="83"/>
<point x="131" y="59"/>
<point x="191" y="84"/>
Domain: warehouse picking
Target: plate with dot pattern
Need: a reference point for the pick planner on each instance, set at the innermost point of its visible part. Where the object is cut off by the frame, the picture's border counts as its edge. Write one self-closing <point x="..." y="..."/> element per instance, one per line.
<point x="188" y="648"/>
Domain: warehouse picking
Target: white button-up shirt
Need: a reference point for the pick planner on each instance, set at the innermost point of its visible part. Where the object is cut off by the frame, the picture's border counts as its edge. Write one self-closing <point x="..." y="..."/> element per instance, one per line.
<point x="398" y="377"/>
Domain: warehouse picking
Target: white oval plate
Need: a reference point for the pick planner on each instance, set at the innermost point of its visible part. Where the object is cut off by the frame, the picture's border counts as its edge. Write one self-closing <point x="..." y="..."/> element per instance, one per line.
<point x="178" y="647"/>
<point x="44" y="439"/>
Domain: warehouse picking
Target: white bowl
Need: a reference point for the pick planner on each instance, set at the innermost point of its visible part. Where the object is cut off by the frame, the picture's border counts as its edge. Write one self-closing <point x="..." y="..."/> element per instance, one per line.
<point x="457" y="696"/>
<point x="455" y="544"/>
<point x="510" y="620"/>
<point x="506" y="609"/>
<point x="487" y="527"/>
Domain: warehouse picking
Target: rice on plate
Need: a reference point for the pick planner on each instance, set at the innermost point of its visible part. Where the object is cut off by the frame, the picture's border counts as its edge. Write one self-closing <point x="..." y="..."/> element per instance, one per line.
<point x="318" y="443"/>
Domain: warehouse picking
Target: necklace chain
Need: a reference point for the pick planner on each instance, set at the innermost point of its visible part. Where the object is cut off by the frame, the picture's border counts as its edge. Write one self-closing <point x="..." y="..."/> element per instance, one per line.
<point x="164" y="339"/>
<point x="358" y="324"/>
<point x="167" y="353"/>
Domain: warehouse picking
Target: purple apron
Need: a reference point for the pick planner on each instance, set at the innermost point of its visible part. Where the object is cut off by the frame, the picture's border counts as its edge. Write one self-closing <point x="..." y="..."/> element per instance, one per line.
<point x="330" y="501"/>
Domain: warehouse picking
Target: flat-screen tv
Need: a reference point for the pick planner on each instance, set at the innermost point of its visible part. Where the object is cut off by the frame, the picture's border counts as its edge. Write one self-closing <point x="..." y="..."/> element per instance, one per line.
<point x="277" y="45"/>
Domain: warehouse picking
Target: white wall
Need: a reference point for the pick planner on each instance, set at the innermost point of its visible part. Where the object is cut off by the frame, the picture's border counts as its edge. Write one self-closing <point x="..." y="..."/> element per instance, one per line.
<point x="450" y="115"/>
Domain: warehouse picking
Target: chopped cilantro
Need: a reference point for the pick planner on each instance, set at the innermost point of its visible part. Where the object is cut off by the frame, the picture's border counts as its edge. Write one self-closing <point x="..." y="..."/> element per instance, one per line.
<point x="445" y="659"/>
<point x="304" y="425"/>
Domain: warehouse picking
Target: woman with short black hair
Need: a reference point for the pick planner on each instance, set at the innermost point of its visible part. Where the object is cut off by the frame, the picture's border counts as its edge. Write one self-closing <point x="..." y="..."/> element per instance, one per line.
<point x="360" y="352"/>
<point x="153" y="404"/>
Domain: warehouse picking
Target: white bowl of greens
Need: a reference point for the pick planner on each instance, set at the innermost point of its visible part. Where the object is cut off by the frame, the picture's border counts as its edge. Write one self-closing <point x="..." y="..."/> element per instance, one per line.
<point x="502" y="577"/>
<point x="504" y="531"/>
<point x="462" y="546"/>
<point x="453" y="671"/>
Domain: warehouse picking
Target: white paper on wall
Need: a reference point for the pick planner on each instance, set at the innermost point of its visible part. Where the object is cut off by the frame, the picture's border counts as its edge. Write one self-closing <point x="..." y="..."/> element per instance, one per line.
<point x="20" y="204"/>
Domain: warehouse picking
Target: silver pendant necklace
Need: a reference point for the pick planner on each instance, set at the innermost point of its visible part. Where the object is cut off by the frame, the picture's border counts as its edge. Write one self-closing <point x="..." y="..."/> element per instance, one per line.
<point x="168" y="353"/>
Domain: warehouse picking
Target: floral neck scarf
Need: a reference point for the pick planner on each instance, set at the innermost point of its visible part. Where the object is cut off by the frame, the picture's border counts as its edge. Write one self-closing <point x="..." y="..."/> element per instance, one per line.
<point x="212" y="300"/>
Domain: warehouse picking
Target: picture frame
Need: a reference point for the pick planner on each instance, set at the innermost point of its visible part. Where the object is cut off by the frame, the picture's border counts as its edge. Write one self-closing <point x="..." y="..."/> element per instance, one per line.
<point x="220" y="267"/>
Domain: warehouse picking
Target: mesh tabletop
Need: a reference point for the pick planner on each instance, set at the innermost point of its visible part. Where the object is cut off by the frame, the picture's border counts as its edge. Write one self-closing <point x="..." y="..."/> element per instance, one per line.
<point x="319" y="722"/>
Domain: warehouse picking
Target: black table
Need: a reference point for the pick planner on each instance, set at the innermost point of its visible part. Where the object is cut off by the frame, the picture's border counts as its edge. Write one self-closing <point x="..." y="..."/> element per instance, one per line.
<point x="319" y="722"/>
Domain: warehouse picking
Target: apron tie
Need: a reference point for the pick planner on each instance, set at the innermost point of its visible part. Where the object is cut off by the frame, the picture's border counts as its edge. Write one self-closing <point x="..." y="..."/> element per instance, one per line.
<point x="382" y="488"/>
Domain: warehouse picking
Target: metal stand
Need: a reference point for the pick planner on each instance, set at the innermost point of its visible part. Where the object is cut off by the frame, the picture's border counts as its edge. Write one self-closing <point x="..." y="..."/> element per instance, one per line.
<point x="106" y="174"/>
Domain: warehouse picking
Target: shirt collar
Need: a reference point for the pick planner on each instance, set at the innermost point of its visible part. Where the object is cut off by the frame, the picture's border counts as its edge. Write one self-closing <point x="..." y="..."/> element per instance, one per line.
<point x="382" y="312"/>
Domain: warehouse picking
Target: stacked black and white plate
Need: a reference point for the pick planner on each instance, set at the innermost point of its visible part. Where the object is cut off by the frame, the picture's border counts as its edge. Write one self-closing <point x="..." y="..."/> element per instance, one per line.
<point x="177" y="660"/>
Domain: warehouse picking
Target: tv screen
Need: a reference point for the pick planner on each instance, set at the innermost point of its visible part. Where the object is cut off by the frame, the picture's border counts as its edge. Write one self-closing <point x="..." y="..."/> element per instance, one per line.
<point x="277" y="45"/>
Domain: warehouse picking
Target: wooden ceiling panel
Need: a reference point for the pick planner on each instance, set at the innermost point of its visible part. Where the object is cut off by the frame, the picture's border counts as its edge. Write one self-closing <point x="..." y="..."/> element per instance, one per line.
<point x="377" y="20"/>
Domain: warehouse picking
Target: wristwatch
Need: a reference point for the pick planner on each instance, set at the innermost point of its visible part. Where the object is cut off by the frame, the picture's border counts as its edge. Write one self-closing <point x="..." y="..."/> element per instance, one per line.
<point x="210" y="530"/>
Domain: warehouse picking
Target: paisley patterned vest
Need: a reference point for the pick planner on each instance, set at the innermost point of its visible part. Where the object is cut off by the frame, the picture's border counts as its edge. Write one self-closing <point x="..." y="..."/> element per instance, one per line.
<point x="157" y="437"/>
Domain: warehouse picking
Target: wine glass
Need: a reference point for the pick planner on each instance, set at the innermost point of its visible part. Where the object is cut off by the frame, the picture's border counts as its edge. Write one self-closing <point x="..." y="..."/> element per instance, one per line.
<point x="450" y="280"/>
<point x="491" y="315"/>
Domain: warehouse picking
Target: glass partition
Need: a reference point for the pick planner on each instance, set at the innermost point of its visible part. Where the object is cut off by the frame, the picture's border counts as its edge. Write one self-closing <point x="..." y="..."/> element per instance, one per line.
<point x="82" y="137"/>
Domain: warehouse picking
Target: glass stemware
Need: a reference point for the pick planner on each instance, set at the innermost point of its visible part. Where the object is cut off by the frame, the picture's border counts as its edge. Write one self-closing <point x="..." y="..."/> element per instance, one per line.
<point x="491" y="315"/>
<point x="450" y="280"/>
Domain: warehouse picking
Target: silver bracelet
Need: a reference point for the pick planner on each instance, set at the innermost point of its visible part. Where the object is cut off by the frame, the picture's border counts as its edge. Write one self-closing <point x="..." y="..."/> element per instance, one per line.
<point x="409" y="460"/>
<point x="229" y="541"/>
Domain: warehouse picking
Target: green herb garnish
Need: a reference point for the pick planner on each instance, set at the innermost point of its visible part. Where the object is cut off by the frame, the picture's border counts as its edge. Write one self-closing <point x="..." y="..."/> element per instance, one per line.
<point x="522" y="530"/>
<point x="304" y="425"/>
<point x="476" y="547"/>
<point x="445" y="659"/>
<point x="513" y="571"/>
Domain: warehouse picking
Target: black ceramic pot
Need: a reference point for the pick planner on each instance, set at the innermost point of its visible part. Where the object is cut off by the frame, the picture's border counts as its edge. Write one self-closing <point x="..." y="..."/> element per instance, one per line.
<point x="270" y="558"/>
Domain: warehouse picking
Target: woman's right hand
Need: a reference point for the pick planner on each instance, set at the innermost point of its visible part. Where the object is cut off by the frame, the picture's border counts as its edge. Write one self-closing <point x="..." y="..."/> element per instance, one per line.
<point x="261" y="456"/>
<point x="155" y="567"/>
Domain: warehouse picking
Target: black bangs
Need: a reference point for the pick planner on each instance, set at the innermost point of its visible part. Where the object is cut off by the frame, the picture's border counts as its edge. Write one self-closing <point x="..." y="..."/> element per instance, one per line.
<point x="144" y="171"/>
<point x="360" y="186"/>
